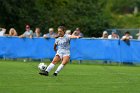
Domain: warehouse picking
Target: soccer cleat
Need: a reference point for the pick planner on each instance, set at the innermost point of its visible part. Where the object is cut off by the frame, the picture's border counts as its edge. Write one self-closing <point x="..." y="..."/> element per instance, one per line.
<point x="54" y="74"/>
<point x="45" y="73"/>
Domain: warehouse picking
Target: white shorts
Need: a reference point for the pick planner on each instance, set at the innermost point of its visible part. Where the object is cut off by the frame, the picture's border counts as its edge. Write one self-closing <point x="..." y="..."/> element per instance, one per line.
<point x="63" y="54"/>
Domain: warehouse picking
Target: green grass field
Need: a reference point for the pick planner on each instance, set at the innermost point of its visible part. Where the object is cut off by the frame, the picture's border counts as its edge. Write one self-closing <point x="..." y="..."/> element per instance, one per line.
<point x="23" y="77"/>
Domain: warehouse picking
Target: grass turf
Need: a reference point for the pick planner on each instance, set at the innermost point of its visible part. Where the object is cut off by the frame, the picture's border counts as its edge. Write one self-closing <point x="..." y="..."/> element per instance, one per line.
<point x="23" y="77"/>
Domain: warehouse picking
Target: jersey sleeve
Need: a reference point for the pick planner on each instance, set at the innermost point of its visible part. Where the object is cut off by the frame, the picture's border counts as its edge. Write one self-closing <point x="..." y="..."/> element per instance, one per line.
<point x="67" y="36"/>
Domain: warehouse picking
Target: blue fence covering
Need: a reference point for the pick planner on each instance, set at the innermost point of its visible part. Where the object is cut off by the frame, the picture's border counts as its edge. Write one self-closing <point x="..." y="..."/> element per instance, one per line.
<point x="81" y="49"/>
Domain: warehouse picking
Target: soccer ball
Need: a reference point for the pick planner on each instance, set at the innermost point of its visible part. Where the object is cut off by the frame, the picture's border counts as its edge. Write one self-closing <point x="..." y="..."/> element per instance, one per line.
<point x="42" y="66"/>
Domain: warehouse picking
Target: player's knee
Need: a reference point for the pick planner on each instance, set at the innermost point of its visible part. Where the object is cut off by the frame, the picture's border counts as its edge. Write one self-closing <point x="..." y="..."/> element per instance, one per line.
<point x="64" y="62"/>
<point x="54" y="62"/>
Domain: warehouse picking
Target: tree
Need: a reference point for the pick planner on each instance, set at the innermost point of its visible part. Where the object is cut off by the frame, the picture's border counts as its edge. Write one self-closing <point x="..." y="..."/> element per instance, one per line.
<point x="89" y="15"/>
<point x="17" y="13"/>
<point x="86" y="14"/>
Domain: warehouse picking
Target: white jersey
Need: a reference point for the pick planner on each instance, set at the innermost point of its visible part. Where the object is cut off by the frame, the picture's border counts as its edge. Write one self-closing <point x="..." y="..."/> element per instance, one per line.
<point x="63" y="45"/>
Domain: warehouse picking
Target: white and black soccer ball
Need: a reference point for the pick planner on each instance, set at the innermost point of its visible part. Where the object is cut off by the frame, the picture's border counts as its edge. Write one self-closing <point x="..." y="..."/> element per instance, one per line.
<point x="42" y="66"/>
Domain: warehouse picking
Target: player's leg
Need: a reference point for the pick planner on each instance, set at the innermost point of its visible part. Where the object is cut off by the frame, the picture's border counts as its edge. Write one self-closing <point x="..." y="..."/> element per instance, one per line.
<point x="60" y="67"/>
<point x="51" y="66"/>
<point x="55" y="61"/>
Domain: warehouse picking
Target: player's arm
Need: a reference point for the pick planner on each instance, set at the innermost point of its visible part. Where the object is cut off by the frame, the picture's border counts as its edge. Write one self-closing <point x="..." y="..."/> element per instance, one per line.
<point x="73" y="36"/>
<point x="55" y="47"/>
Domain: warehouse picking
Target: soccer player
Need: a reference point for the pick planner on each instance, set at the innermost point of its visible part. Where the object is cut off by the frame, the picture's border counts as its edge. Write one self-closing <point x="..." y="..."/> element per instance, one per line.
<point x="62" y="48"/>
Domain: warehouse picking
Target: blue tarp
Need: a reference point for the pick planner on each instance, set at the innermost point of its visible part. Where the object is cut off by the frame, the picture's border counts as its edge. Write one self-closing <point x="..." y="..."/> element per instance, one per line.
<point x="81" y="49"/>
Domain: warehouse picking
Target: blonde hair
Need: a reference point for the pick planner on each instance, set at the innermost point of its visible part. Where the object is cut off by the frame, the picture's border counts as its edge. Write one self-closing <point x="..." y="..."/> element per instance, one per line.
<point x="12" y="32"/>
<point x="105" y="34"/>
<point x="51" y="29"/>
<point x="68" y="32"/>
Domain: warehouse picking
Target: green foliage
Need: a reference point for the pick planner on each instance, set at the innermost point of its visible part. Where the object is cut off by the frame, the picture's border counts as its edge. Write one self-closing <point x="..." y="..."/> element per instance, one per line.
<point x="17" y="13"/>
<point x="51" y="13"/>
<point x="122" y="13"/>
<point x="75" y="13"/>
<point x="92" y="16"/>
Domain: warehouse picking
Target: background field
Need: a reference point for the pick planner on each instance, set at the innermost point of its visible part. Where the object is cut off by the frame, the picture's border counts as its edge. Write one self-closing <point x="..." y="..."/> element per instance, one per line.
<point x="23" y="77"/>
